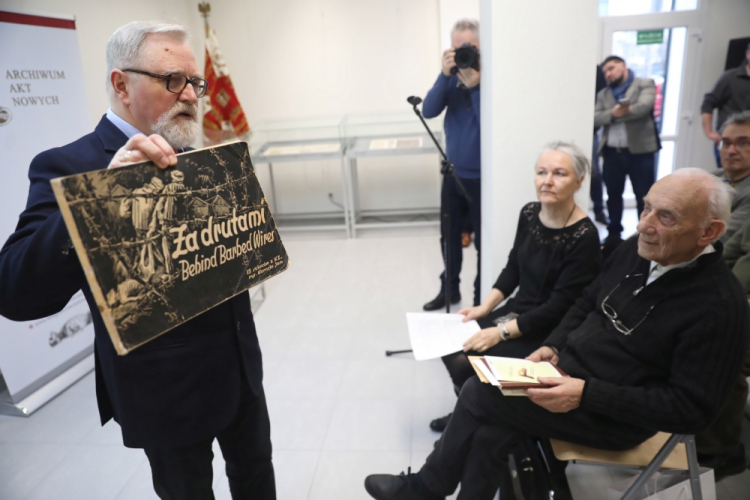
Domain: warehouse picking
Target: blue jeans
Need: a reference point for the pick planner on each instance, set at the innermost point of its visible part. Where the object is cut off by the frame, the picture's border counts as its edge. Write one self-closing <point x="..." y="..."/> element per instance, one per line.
<point x="619" y="164"/>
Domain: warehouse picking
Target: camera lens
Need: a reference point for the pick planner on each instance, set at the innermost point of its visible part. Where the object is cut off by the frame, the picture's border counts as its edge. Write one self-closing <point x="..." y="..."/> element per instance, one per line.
<point x="467" y="56"/>
<point x="463" y="59"/>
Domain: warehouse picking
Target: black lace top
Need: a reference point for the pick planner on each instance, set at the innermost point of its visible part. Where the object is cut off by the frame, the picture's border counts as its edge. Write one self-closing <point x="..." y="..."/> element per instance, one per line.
<point x="550" y="268"/>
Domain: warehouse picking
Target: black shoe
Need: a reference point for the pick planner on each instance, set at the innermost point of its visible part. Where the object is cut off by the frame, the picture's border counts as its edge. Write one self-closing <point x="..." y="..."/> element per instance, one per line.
<point x="601" y="218"/>
<point x="439" y="301"/>
<point x="725" y="464"/>
<point x="439" y="424"/>
<point x="401" y="487"/>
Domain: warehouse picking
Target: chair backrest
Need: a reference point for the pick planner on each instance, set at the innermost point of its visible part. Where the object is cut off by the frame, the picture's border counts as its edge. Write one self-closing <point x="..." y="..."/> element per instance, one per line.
<point x="640" y="456"/>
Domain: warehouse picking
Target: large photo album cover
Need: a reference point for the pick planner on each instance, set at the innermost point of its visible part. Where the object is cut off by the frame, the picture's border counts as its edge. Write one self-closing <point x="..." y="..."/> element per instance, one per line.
<point x="159" y="247"/>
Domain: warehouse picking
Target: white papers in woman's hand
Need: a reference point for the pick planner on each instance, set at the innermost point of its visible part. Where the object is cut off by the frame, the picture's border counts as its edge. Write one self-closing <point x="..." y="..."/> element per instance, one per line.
<point x="434" y="335"/>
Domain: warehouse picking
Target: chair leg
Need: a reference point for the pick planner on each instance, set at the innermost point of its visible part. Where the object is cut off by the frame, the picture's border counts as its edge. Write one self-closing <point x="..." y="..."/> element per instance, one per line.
<point x="659" y="459"/>
<point x="693" y="468"/>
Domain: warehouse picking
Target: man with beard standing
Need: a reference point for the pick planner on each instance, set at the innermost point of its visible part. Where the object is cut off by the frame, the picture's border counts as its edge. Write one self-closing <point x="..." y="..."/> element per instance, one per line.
<point x="200" y="381"/>
<point x="625" y="108"/>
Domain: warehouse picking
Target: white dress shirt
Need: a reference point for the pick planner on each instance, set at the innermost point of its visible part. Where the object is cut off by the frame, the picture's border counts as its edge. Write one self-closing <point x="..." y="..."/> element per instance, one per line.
<point x="658" y="270"/>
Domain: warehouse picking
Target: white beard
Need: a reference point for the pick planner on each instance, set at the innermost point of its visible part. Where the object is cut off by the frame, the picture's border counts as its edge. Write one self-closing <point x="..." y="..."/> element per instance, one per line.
<point x="178" y="132"/>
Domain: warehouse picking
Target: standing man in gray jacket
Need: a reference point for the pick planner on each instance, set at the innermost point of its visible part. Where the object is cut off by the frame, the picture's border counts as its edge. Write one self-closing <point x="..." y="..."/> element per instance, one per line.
<point x="625" y="108"/>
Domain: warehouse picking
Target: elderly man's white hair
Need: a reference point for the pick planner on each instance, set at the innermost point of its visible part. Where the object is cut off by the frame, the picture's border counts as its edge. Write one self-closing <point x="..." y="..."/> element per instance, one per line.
<point x="718" y="192"/>
<point x="124" y="46"/>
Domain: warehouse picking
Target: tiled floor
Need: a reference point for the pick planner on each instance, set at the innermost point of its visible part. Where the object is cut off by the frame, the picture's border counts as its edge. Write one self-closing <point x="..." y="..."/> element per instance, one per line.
<point x="339" y="408"/>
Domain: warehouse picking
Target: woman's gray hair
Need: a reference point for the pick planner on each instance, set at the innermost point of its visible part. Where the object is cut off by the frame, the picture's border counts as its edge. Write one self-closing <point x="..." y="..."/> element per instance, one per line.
<point x="124" y="46"/>
<point x="581" y="164"/>
<point x="467" y="24"/>
<point x="718" y="193"/>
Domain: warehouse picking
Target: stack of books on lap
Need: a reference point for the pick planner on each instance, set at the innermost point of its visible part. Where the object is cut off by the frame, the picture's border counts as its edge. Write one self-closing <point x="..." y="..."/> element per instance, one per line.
<point x="511" y="375"/>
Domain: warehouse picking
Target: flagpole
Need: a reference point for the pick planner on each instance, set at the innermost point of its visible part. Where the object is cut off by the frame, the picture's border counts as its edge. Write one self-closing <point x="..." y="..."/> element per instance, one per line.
<point x="205" y="10"/>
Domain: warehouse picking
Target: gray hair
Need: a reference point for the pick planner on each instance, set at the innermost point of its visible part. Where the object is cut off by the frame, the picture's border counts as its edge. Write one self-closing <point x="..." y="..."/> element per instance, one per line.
<point x="581" y="165"/>
<point x="124" y="46"/>
<point x="718" y="193"/>
<point x="742" y="118"/>
<point x="467" y="24"/>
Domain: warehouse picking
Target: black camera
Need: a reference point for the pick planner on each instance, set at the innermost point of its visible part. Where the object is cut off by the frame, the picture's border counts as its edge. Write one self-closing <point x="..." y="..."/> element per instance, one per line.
<point x="467" y="56"/>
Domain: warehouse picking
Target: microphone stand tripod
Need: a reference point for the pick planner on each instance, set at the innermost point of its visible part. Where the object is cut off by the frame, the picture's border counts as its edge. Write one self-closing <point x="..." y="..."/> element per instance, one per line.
<point x="447" y="170"/>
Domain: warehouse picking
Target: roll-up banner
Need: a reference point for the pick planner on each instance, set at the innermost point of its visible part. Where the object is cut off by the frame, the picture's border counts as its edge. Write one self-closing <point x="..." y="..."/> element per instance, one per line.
<point x="42" y="105"/>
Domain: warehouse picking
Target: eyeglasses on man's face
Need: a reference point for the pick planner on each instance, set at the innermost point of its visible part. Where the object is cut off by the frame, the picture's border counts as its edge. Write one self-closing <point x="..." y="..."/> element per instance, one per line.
<point x="611" y="314"/>
<point x="741" y="143"/>
<point x="176" y="82"/>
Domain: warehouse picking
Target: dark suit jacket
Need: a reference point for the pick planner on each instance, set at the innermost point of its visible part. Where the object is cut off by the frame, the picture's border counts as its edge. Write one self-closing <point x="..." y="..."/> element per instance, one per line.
<point x="178" y="389"/>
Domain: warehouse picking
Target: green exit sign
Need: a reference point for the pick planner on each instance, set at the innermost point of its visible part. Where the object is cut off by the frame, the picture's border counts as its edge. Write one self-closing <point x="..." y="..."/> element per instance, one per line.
<point x="650" y="37"/>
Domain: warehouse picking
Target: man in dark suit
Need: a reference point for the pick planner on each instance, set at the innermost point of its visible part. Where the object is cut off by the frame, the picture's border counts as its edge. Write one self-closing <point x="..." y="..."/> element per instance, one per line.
<point x="200" y="381"/>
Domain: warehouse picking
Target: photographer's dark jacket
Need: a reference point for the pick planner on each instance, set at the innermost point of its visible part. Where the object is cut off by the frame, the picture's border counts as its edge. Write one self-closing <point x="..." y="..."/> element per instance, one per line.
<point x="176" y="390"/>
<point x="676" y="368"/>
<point x="461" y="122"/>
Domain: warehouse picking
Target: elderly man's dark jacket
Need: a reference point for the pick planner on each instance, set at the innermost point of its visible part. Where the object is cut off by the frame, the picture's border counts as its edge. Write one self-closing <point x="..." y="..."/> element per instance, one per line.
<point x="178" y="389"/>
<point x="676" y="368"/>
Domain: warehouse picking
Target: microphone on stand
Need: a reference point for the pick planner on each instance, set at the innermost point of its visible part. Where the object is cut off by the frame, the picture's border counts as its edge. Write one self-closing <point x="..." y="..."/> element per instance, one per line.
<point x="413" y="100"/>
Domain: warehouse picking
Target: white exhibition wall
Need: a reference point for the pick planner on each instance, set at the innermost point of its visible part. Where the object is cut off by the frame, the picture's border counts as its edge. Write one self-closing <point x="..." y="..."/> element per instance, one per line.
<point x="303" y="58"/>
<point x="450" y="12"/>
<point x="548" y="96"/>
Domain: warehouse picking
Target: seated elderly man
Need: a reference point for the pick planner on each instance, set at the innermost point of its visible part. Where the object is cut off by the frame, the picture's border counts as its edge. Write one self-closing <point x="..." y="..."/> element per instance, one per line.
<point x="654" y="344"/>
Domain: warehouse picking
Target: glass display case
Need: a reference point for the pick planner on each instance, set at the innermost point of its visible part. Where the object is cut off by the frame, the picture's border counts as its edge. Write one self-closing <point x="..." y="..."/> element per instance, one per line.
<point x="302" y="136"/>
<point x="302" y="140"/>
<point x="389" y="134"/>
<point x="380" y="135"/>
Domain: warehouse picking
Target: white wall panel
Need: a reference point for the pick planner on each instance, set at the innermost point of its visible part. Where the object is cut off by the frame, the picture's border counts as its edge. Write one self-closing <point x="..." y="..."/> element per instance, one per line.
<point x="538" y="85"/>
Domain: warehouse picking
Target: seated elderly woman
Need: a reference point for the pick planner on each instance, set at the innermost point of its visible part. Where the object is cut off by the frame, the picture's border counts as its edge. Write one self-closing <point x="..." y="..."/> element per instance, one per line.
<point x="555" y="256"/>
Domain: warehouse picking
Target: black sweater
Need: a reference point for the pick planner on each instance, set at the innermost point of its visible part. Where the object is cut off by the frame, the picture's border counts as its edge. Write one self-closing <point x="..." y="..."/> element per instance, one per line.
<point x="676" y="368"/>
<point x="550" y="267"/>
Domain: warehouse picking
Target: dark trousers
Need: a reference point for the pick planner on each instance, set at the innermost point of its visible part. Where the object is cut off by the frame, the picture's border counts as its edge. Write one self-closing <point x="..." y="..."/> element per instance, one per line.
<point x="486" y="426"/>
<point x="596" y="191"/>
<point x="725" y="432"/>
<point x="458" y="365"/>
<point x="619" y="164"/>
<point x="186" y="473"/>
<point x="458" y="209"/>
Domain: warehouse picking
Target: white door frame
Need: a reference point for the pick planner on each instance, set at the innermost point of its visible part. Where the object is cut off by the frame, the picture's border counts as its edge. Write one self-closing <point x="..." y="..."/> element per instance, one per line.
<point x="689" y="119"/>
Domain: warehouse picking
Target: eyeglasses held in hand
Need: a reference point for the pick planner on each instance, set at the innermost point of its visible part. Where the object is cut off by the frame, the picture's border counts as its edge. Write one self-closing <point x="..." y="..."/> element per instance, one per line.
<point x="740" y="143"/>
<point x="610" y="312"/>
<point x="176" y="82"/>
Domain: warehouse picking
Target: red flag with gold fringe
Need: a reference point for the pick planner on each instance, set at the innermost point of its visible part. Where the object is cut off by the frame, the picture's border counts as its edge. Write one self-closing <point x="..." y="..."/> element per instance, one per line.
<point x="223" y="119"/>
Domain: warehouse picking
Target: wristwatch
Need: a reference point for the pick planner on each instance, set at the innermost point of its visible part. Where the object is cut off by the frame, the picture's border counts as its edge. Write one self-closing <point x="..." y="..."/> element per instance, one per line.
<point x="504" y="333"/>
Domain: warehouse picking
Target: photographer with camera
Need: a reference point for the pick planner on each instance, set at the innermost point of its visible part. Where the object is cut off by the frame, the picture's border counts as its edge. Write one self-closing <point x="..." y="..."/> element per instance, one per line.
<point x="457" y="89"/>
